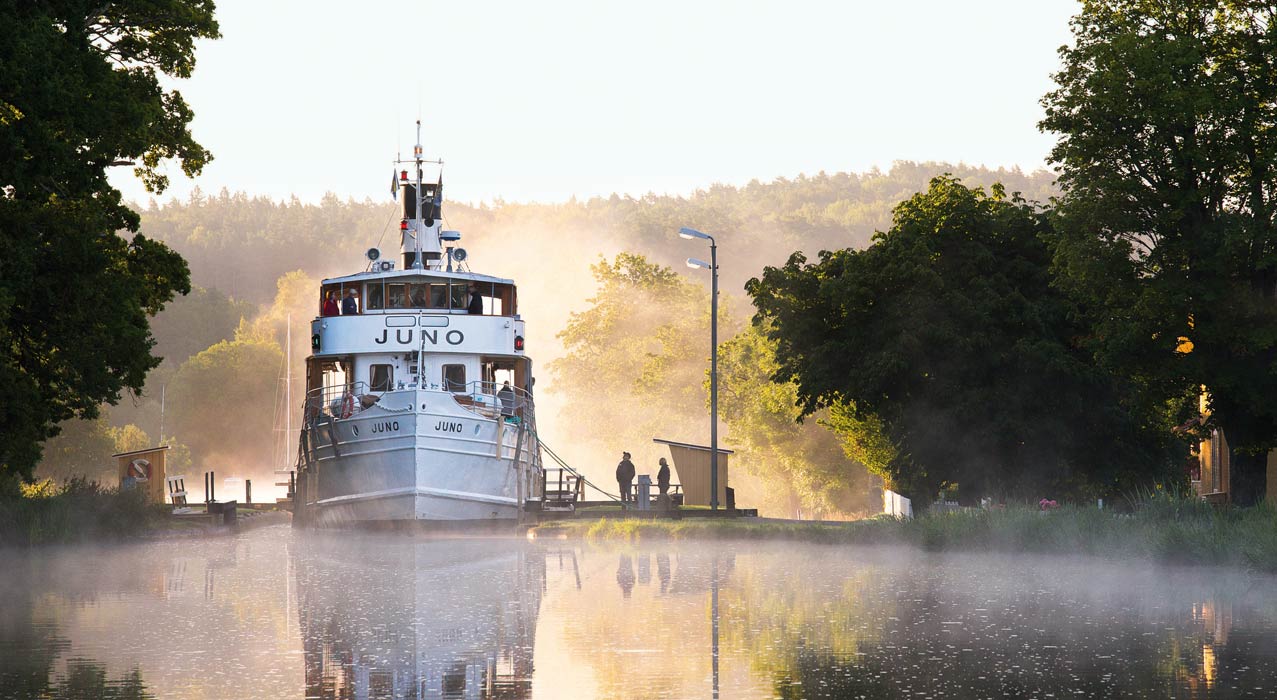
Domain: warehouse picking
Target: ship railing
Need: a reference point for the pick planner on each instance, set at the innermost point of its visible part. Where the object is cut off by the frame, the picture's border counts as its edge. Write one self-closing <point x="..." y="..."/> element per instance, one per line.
<point x="339" y="401"/>
<point x="491" y="400"/>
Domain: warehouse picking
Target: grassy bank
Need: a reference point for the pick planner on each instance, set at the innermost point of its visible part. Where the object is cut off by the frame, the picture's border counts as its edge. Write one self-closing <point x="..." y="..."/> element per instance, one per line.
<point x="1166" y="530"/>
<point x="77" y="511"/>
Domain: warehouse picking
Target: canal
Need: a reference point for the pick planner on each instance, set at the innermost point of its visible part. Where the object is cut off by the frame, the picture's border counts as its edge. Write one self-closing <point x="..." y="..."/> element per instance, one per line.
<point x="274" y="613"/>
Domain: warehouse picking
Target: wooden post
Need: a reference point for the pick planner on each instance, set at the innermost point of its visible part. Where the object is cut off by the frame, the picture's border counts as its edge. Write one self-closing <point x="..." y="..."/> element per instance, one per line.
<point x="248" y="492"/>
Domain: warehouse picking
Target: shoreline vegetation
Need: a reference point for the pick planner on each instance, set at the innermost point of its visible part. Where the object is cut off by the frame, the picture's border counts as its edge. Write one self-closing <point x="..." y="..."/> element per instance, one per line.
<point x="1162" y="530"/>
<point x="78" y="510"/>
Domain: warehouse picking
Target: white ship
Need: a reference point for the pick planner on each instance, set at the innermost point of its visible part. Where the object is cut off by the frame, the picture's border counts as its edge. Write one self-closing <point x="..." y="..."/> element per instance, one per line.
<point x="419" y="394"/>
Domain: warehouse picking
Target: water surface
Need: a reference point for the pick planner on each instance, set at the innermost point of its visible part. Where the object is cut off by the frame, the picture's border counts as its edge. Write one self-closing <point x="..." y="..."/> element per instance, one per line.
<point x="277" y="614"/>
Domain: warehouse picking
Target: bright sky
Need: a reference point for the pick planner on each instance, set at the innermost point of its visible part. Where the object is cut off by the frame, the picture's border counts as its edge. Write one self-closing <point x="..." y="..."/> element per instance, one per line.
<point x="540" y="101"/>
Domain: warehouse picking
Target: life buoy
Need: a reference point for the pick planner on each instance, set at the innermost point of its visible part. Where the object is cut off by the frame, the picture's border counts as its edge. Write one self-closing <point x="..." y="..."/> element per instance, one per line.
<point x="348" y="406"/>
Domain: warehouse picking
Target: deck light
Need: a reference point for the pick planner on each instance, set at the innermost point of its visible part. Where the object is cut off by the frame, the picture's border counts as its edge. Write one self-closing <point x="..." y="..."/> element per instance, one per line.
<point x="518" y="343"/>
<point x="403" y="175"/>
<point x="403" y="225"/>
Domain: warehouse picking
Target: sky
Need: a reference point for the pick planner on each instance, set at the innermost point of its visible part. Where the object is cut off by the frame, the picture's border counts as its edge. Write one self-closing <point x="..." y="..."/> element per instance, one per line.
<point x="543" y="101"/>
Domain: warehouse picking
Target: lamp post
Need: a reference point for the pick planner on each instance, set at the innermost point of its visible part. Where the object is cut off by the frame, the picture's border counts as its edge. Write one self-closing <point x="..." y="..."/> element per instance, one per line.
<point x="691" y="233"/>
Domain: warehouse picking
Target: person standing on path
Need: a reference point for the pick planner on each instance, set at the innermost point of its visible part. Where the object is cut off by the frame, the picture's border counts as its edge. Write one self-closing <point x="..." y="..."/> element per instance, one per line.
<point x="625" y="478"/>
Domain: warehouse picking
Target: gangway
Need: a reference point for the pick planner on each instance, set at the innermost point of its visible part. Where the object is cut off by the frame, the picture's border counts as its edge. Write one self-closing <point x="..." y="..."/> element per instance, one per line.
<point x="565" y="491"/>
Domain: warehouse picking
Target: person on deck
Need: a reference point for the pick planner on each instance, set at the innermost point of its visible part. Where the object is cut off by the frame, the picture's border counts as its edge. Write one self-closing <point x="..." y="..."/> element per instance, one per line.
<point x="350" y="305"/>
<point x="625" y="478"/>
<point x="506" y="397"/>
<point x="476" y="301"/>
<point x="330" y="305"/>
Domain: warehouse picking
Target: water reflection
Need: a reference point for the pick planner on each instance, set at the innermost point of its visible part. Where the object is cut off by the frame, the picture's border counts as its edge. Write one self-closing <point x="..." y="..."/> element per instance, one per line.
<point x="281" y="614"/>
<point x="401" y="618"/>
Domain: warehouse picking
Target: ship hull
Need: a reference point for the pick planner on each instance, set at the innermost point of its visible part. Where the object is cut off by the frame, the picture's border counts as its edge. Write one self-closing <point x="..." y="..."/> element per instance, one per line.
<point x="417" y="456"/>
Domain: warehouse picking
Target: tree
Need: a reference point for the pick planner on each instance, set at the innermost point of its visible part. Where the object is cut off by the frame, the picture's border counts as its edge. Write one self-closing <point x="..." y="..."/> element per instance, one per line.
<point x="221" y="401"/>
<point x="635" y="360"/>
<point x="1166" y="113"/>
<point x="946" y="356"/>
<point x="82" y="448"/>
<point x="79" y="93"/>
<point x="800" y="462"/>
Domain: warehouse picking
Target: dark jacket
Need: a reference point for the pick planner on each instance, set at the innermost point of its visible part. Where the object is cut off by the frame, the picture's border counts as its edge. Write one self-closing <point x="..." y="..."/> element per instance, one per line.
<point x="506" y="397"/>
<point x="625" y="471"/>
<point x="349" y="306"/>
<point x="476" y="304"/>
<point x="663" y="477"/>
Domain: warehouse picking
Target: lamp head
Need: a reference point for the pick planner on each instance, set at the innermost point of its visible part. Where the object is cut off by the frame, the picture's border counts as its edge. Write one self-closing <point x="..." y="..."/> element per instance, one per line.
<point x="697" y="264"/>
<point x="690" y="233"/>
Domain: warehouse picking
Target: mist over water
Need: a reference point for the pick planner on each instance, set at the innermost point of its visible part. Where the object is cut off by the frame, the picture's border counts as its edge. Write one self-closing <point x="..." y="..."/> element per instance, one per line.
<point x="276" y="613"/>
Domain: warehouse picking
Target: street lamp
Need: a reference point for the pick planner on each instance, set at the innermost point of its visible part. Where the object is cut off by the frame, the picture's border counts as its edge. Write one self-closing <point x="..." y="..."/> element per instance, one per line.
<point x="712" y="266"/>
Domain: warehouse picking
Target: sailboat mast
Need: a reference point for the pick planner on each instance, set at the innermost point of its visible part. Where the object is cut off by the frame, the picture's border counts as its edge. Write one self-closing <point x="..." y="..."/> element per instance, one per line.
<point x="288" y="384"/>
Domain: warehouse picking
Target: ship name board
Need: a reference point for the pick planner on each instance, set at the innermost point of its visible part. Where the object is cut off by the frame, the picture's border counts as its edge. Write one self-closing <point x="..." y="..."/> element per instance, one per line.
<point x="404" y="336"/>
<point x="444" y="426"/>
<point x="390" y="426"/>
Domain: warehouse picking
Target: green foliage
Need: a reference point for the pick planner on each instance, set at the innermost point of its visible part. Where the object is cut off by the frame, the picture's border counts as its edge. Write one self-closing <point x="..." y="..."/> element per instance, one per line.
<point x="242" y="244"/>
<point x="128" y="438"/>
<point x="221" y="401"/>
<point x="799" y="462"/>
<point x="635" y="360"/>
<point x="197" y="321"/>
<point x="1167" y="529"/>
<point x="82" y="448"/>
<point x="948" y="356"/>
<point x="1166" y="114"/>
<point x="79" y="510"/>
<point x="79" y="91"/>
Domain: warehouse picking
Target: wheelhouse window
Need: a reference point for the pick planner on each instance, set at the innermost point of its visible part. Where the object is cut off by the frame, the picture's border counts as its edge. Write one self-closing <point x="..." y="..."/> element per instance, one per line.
<point x="454" y="377"/>
<point x="381" y="377"/>
<point x="376" y="296"/>
<point x="396" y="296"/>
<point x="420" y="295"/>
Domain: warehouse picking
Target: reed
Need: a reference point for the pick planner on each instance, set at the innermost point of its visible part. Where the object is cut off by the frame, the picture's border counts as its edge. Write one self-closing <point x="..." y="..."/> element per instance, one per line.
<point x="75" y="511"/>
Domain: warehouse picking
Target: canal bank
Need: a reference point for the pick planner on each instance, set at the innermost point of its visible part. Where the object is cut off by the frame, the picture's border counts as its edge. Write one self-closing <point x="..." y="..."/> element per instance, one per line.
<point x="1164" y="531"/>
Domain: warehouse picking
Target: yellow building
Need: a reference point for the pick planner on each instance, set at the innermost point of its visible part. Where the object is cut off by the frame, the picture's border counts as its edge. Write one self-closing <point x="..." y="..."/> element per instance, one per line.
<point x="1215" y="458"/>
<point x="145" y="469"/>
<point x="692" y="465"/>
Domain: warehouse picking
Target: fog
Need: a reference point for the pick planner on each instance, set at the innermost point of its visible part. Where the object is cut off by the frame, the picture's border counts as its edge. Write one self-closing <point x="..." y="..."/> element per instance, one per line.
<point x="276" y="612"/>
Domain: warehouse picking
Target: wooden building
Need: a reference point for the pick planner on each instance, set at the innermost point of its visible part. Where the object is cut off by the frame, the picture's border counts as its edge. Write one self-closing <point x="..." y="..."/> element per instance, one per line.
<point x="692" y="469"/>
<point x="145" y="469"/>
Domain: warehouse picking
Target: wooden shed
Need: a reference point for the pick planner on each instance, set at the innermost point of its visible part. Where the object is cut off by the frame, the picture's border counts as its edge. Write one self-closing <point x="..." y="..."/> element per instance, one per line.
<point x="692" y="466"/>
<point x="144" y="469"/>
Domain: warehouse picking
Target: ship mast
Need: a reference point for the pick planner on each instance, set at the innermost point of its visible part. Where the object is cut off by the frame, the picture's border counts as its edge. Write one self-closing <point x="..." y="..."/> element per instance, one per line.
<point x="418" y="223"/>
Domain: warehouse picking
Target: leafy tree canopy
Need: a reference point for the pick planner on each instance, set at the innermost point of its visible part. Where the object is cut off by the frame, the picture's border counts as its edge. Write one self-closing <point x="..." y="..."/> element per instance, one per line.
<point x="946" y="354"/>
<point x="635" y="360"/>
<point x="799" y="463"/>
<point x="79" y="93"/>
<point x="221" y="401"/>
<point x="1166" y="113"/>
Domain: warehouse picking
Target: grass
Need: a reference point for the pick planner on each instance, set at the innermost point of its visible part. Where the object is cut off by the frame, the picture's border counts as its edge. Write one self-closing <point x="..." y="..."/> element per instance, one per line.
<point x="1164" y="529"/>
<point x="78" y="510"/>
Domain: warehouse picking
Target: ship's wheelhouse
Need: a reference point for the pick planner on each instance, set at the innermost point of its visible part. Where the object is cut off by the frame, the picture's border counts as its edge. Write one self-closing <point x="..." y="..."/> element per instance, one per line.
<point x="407" y="291"/>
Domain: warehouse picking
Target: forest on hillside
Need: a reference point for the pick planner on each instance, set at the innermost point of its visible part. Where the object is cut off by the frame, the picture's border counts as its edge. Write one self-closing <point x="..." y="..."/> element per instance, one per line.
<point x="616" y="376"/>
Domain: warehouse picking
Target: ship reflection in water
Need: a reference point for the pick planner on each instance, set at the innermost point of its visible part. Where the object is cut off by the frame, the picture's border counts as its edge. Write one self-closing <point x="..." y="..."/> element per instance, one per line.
<point x="395" y="617"/>
<point x="275" y="613"/>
